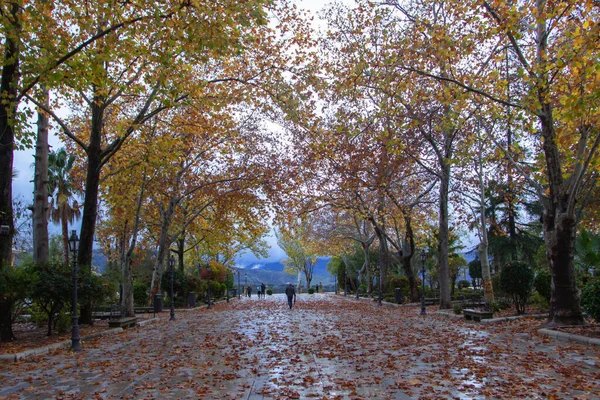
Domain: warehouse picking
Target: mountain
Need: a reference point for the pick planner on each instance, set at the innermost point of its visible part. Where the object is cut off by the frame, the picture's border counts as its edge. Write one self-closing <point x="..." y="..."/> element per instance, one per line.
<point x="273" y="275"/>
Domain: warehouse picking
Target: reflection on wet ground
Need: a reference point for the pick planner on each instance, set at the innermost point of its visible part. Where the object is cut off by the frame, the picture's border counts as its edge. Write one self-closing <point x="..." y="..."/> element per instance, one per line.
<point x="325" y="347"/>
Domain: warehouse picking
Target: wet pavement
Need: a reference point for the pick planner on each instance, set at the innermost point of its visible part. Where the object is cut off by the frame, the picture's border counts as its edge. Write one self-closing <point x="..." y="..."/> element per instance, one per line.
<point x="326" y="347"/>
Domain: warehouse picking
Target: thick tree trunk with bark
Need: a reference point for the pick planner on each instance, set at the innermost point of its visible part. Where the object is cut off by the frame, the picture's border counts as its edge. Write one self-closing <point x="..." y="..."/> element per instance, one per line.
<point x="40" y="188"/>
<point x="443" y="239"/>
<point x="92" y="183"/>
<point x="406" y="257"/>
<point x="8" y="109"/>
<point x="560" y="229"/>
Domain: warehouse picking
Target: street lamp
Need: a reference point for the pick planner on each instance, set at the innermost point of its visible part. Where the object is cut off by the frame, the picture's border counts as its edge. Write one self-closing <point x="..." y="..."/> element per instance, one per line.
<point x="239" y="285"/>
<point x="75" y="339"/>
<point x="208" y="269"/>
<point x="345" y="283"/>
<point x="172" y="267"/>
<point x="423" y="312"/>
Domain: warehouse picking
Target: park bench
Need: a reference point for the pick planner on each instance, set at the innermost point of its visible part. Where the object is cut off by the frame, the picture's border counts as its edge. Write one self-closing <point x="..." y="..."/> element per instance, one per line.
<point x="477" y="315"/>
<point x="125" y="322"/>
<point x="117" y="321"/>
<point x="430" y="301"/>
<point x="143" y="310"/>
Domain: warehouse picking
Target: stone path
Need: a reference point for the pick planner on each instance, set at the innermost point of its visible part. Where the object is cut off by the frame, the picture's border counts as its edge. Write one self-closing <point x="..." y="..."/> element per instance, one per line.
<point x="327" y="347"/>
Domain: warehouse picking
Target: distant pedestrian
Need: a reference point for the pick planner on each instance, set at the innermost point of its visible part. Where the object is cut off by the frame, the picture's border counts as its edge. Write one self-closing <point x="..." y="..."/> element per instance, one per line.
<point x="249" y="291"/>
<point x="290" y="292"/>
<point x="263" y="289"/>
<point x="258" y="291"/>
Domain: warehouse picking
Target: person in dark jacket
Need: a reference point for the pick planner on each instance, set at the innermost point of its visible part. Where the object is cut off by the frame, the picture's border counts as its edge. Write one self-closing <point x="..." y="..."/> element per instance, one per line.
<point x="290" y="292"/>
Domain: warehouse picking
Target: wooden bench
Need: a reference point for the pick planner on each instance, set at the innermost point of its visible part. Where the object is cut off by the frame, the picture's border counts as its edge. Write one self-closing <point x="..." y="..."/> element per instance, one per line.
<point x="430" y="301"/>
<point x="143" y="310"/>
<point x="477" y="315"/>
<point x="125" y="322"/>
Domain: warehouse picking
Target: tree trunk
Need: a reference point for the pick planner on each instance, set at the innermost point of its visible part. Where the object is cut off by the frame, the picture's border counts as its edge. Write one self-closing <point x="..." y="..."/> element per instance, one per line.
<point x="8" y="109"/>
<point x="488" y="288"/>
<point x="64" y="223"/>
<point x="443" y="239"/>
<point x="164" y="244"/>
<point x="40" y="187"/>
<point x="406" y="257"/>
<point x="92" y="183"/>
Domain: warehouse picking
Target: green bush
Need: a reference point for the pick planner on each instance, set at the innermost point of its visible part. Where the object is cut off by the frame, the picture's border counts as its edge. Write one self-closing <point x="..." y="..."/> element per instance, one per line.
<point x="140" y="293"/>
<point x="63" y="322"/>
<point x="311" y="290"/>
<point x="179" y="282"/>
<point x="269" y="292"/>
<point x="516" y="279"/>
<point x="543" y="284"/>
<point x="457" y="308"/>
<point x="398" y="282"/>
<point x="539" y="301"/>
<point x="52" y="291"/>
<point x="463" y="284"/>
<point x="590" y="298"/>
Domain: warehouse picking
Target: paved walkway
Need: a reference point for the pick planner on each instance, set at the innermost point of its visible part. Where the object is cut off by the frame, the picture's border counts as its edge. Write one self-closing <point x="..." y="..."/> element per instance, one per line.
<point x="327" y="347"/>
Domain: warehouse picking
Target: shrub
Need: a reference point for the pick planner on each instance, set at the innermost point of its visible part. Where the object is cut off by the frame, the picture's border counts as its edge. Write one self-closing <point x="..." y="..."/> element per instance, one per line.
<point x="269" y="292"/>
<point x="64" y="321"/>
<point x="457" y="308"/>
<point x="52" y="291"/>
<point x="590" y="298"/>
<point x="398" y="282"/>
<point x="179" y="282"/>
<point x="543" y="284"/>
<point x="538" y="300"/>
<point x="463" y="284"/>
<point x="516" y="279"/>
<point x="140" y="293"/>
<point x="311" y="290"/>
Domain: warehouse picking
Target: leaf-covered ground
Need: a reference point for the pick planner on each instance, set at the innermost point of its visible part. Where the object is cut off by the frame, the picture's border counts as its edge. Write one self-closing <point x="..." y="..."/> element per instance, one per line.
<point x="327" y="347"/>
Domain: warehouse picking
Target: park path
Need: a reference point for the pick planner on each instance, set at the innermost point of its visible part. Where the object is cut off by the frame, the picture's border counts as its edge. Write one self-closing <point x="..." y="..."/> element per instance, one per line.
<point x="327" y="347"/>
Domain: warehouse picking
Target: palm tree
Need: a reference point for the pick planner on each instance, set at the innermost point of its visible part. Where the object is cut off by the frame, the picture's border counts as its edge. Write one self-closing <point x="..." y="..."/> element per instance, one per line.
<point x="63" y="206"/>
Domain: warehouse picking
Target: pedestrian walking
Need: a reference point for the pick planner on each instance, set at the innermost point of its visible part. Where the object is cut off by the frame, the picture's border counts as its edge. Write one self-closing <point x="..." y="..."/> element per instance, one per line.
<point x="258" y="291"/>
<point x="290" y="292"/>
<point x="250" y="291"/>
<point x="263" y="289"/>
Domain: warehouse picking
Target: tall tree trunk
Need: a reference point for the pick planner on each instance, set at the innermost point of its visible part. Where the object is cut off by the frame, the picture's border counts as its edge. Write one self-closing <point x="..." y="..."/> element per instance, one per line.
<point x="8" y="109"/>
<point x="64" y="224"/>
<point x="90" y="202"/>
<point x="127" y="305"/>
<point x="40" y="187"/>
<point x="92" y="183"/>
<point x="181" y="251"/>
<point x="560" y="228"/>
<point x="164" y="245"/>
<point x="560" y="225"/>
<point x="443" y="239"/>
<point x="406" y="257"/>
<point x="488" y="288"/>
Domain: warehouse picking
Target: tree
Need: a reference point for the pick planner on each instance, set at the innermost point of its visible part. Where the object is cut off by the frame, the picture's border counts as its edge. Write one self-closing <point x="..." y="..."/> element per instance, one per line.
<point x="64" y="208"/>
<point x="556" y="47"/>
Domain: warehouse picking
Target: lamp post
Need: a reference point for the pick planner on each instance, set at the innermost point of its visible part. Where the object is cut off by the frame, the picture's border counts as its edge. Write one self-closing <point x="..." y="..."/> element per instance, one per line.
<point x="423" y="312"/>
<point x="172" y="266"/>
<point x="208" y="291"/>
<point x="345" y="283"/>
<point x="75" y="339"/>
<point x="239" y="285"/>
